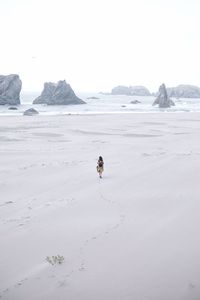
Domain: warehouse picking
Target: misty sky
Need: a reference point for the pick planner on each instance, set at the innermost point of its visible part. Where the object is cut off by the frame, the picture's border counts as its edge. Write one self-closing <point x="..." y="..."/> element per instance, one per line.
<point x="98" y="44"/>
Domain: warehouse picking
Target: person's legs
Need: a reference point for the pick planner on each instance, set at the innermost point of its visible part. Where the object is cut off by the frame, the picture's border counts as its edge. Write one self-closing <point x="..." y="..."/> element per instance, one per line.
<point x="100" y="171"/>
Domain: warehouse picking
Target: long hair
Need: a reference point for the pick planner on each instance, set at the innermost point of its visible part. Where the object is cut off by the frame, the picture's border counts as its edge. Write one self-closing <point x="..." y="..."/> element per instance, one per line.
<point x="100" y="158"/>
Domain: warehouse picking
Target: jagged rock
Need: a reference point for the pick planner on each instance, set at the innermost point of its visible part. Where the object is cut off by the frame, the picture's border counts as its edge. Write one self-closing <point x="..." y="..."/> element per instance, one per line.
<point x="131" y="90"/>
<point x="184" y="91"/>
<point x="31" y="112"/>
<point x="59" y="93"/>
<point x="10" y="88"/>
<point x="135" y="102"/>
<point x="163" y="99"/>
<point x="12" y="108"/>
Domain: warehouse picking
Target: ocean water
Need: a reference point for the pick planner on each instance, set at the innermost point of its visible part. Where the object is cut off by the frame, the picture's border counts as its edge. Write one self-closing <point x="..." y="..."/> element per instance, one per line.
<point x="104" y="104"/>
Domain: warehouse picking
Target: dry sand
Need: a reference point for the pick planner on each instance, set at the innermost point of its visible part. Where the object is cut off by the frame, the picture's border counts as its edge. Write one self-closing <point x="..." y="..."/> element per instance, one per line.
<point x="132" y="235"/>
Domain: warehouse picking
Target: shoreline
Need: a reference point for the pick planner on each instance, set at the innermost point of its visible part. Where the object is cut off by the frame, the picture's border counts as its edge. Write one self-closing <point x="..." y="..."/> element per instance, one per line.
<point x="43" y="114"/>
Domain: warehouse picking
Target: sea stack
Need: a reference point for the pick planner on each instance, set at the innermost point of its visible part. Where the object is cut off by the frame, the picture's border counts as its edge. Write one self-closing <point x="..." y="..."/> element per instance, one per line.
<point x="10" y="88"/>
<point x="163" y="99"/>
<point x="136" y="90"/>
<point x="30" y="112"/>
<point x="59" y="93"/>
<point x="184" y="91"/>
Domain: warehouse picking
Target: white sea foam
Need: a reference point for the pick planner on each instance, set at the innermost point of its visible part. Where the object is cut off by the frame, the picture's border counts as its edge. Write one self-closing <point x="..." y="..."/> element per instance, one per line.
<point x="104" y="104"/>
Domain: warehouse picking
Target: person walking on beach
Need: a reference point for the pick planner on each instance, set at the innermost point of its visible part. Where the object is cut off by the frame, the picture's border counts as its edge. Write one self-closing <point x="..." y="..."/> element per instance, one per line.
<point x="100" y="165"/>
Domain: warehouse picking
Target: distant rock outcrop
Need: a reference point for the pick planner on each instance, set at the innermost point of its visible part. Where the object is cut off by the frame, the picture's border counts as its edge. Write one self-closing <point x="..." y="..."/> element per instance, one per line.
<point x="184" y="91"/>
<point x="59" y="93"/>
<point x="163" y="99"/>
<point x="13" y="108"/>
<point x="10" y="88"/>
<point x="135" y="102"/>
<point x="130" y="91"/>
<point x="31" y="112"/>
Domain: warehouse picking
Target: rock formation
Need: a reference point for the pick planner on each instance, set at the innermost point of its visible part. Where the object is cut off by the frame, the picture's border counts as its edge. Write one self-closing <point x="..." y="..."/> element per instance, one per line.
<point x="184" y="91"/>
<point x="10" y="88"/>
<point x="59" y="93"/>
<point x="13" y="108"/>
<point x="31" y="112"/>
<point x="131" y="90"/>
<point x="135" y="102"/>
<point x="163" y="99"/>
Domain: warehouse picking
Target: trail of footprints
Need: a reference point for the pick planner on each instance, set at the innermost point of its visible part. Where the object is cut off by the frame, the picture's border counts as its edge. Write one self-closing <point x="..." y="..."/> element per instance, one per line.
<point x="82" y="266"/>
<point x="63" y="281"/>
<point x="17" y="285"/>
<point x="51" y="164"/>
<point x="33" y="206"/>
<point x="23" y="220"/>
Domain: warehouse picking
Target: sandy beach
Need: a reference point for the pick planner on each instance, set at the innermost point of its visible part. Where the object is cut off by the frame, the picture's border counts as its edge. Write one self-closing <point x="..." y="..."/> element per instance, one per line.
<point x="134" y="234"/>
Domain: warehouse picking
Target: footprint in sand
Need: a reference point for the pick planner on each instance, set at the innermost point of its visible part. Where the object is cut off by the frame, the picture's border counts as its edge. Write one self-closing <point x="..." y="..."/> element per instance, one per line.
<point x="61" y="202"/>
<point x="191" y="286"/>
<point x="82" y="267"/>
<point x="62" y="283"/>
<point x="69" y="274"/>
<point x="22" y="220"/>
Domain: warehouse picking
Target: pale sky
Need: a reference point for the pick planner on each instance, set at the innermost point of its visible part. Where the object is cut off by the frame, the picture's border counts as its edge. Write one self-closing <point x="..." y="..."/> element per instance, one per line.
<point x="98" y="44"/>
